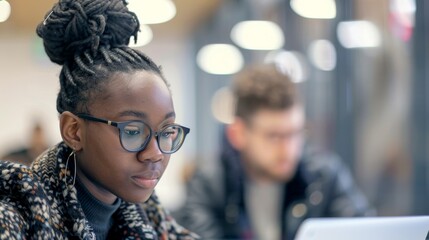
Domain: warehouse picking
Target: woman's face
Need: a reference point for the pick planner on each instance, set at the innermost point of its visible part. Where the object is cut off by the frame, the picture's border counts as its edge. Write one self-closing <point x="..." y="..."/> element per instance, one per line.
<point x="104" y="166"/>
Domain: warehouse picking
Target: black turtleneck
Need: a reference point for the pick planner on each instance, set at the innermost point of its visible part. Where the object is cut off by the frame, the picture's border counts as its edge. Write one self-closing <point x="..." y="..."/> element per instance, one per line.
<point x="99" y="214"/>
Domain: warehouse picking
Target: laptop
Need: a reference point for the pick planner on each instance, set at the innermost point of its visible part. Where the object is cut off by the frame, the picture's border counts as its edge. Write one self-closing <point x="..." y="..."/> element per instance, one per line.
<point x="367" y="228"/>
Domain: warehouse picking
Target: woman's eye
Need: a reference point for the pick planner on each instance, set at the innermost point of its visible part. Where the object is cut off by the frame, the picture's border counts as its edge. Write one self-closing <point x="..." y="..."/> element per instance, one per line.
<point x="132" y="132"/>
<point x="167" y="134"/>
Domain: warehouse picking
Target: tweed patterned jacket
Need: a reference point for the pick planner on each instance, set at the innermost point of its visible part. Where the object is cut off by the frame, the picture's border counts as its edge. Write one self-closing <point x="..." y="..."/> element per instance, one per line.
<point x="40" y="202"/>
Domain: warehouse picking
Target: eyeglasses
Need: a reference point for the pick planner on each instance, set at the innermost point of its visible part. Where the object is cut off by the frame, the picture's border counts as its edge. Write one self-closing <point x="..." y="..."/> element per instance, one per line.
<point x="135" y="135"/>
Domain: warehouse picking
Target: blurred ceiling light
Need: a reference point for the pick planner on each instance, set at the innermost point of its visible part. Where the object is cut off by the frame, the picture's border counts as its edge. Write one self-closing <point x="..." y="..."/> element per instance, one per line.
<point x="4" y="10"/>
<point x="153" y="11"/>
<point x="223" y="105"/>
<point x="258" y="35"/>
<point x="220" y="59"/>
<point x="144" y="36"/>
<point x="403" y="6"/>
<point x="322" y="55"/>
<point x="290" y="63"/>
<point x="358" y="34"/>
<point x="319" y="9"/>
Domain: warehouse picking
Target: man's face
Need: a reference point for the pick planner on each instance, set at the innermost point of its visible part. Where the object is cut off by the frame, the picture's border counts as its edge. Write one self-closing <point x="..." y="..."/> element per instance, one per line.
<point x="272" y="143"/>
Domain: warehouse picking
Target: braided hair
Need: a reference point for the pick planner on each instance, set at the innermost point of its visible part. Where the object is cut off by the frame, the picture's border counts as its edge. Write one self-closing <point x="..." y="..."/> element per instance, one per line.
<point x="89" y="38"/>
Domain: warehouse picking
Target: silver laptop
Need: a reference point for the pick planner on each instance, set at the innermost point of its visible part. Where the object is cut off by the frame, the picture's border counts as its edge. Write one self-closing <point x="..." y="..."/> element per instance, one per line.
<point x="368" y="228"/>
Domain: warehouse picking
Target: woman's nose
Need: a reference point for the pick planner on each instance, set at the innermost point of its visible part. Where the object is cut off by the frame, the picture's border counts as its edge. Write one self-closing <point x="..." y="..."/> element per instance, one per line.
<point x="151" y="152"/>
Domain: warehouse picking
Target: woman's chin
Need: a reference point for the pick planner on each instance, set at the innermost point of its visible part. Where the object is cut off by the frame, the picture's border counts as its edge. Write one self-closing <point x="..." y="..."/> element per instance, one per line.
<point x="139" y="198"/>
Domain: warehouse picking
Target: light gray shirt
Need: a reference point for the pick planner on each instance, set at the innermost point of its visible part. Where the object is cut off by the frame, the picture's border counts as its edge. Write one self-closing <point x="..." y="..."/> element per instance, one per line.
<point x="263" y="203"/>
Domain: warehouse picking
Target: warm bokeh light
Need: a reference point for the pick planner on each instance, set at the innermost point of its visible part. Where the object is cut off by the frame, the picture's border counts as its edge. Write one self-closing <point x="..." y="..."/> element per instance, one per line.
<point x="4" y="10"/>
<point x="358" y="34"/>
<point x="322" y="55"/>
<point x="151" y="11"/>
<point x="220" y="59"/>
<point x="144" y="36"/>
<point x="223" y="105"/>
<point x="319" y="9"/>
<point x="290" y="63"/>
<point x="258" y="35"/>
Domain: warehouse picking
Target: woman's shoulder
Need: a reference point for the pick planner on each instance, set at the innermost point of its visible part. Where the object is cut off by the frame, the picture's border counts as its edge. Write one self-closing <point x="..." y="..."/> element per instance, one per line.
<point x="19" y="184"/>
<point x="23" y="202"/>
<point x="16" y="179"/>
<point x="12" y="223"/>
<point x="13" y="175"/>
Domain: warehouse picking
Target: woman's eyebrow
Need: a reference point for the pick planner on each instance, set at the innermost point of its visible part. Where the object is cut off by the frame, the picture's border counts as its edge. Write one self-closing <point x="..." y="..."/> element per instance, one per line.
<point x="144" y="115"/>
<point x="170" y="115"/>
<point x="133" y="114"/>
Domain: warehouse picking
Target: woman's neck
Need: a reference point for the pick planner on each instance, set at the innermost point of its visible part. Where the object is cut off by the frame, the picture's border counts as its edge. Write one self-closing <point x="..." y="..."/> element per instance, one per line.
<point x="98" y="213"/>
<point x="96" y="190"/>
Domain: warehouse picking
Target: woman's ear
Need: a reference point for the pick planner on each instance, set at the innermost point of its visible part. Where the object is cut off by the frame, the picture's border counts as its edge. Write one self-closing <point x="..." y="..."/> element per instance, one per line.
<point x="235" y="132"/>
<point x="70" y="128"/>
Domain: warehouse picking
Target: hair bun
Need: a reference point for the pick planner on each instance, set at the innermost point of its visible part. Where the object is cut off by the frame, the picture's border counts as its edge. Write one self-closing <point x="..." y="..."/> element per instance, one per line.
<point x="77" y="26"/>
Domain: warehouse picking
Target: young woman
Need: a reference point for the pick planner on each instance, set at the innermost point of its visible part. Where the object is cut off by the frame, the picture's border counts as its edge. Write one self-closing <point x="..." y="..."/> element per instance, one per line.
<point x="117" y="122"/>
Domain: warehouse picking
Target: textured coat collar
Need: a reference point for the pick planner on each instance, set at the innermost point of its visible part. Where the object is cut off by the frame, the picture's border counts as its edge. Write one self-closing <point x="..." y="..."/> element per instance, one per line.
<point x="44" y="195"/>
<point x="57" y="181"/>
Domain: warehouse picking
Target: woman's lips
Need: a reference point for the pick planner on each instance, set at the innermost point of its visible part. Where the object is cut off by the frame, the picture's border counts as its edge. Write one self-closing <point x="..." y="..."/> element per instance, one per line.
<point x="145" y="183"/>
<point x="147" y="179"/>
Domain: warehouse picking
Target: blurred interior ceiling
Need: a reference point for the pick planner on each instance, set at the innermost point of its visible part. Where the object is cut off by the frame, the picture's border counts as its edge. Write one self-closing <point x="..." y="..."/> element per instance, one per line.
<point x="26" y="15"/>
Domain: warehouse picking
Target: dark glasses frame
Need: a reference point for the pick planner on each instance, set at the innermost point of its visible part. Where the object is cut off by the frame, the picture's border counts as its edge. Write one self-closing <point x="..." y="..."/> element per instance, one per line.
<point x="121" y="128"/>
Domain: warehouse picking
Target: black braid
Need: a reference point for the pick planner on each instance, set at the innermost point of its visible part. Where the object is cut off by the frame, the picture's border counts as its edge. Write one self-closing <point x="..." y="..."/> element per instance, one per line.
<point x="89" y="38"/>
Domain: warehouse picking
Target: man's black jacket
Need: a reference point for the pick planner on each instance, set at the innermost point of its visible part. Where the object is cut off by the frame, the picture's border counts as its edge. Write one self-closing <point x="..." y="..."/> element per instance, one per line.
<point x="321" y="187"/>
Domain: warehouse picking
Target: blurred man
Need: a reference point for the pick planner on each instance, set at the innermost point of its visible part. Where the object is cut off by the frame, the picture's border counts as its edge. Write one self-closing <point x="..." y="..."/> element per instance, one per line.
<point x="37" y="143"/>
<point x="266" y="182"/>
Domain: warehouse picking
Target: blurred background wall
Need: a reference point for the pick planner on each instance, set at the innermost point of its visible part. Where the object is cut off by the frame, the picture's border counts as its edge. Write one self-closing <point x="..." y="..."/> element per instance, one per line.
<point x="361" y="66"/>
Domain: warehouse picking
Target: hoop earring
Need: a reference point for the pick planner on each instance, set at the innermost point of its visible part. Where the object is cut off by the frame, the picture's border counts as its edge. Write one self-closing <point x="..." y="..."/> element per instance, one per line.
<point x="67" y="165"/>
